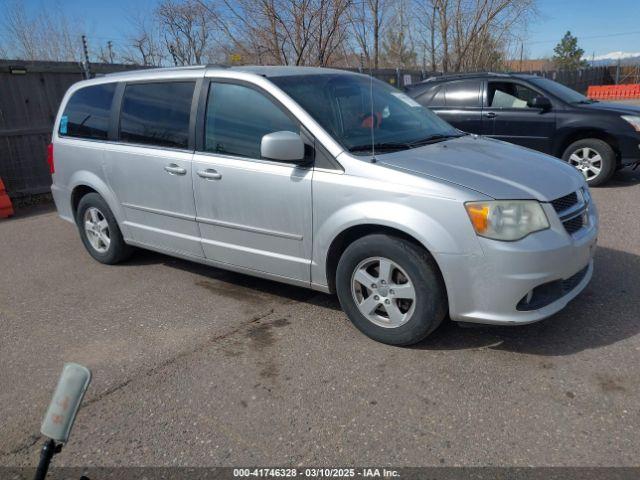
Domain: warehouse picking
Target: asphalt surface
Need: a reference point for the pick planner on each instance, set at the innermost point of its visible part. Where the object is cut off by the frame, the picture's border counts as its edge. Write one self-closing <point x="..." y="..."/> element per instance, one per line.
<point x="196" y="366"/>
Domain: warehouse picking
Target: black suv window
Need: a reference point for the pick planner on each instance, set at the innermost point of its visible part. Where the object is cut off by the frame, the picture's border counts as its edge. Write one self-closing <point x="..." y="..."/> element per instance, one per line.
<point x="238" y="117"/>
<point x="464" y="93"/>
<point x="432" y="97"/>
<point x="157" y="114"/>
<point x="509" y="95"/>
<point x="87" y="112"/>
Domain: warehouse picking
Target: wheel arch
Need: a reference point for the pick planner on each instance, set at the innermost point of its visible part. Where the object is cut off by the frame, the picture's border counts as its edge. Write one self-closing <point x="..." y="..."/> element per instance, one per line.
<point x="585" y="133"/>
<point x="84" y="182"/>
<point x="355" y="232"/>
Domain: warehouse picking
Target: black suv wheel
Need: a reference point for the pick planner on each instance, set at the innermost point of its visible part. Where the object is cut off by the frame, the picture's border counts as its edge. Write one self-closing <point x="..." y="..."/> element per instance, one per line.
<point x="594" y="158"/>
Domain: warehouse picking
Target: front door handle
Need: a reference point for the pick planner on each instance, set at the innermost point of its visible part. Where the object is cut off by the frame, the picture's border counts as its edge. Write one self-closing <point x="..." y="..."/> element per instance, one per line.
<point x="209" y="174"/>
<point x="174" y="169"/>
<point x="490" y="114"/>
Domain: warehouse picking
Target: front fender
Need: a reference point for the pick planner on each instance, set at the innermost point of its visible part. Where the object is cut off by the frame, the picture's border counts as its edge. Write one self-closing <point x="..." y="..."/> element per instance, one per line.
<point x="427" y="227"/>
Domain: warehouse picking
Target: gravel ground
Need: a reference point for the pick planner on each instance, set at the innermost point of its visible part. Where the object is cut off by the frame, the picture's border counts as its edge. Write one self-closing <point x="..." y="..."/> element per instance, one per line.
<point x="201" y="367"/>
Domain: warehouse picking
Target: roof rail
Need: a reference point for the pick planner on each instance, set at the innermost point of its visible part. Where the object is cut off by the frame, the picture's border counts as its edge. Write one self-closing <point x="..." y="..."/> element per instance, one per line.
<point x="167" y="69"/>
<point x="449" y="76"/>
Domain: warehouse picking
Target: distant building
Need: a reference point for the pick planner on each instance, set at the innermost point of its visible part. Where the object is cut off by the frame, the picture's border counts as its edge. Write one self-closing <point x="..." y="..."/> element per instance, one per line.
<point x="535" y="65"/>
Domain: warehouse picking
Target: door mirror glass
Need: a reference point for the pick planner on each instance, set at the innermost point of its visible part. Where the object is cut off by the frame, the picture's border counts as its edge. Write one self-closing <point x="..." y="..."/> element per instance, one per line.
<point x="282" y="146"/>
<point x="540" y="102"/>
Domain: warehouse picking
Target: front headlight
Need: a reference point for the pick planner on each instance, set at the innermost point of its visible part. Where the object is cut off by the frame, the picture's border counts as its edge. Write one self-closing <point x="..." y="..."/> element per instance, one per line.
<point x="634" y="120"/>
<point x="506" y="219"/>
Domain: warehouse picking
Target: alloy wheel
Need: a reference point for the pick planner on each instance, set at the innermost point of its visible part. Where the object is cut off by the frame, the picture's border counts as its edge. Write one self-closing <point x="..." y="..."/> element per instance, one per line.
<point x="588" y="161"/>
<point x="97" y="229"/>
<point x="383" y="292"/>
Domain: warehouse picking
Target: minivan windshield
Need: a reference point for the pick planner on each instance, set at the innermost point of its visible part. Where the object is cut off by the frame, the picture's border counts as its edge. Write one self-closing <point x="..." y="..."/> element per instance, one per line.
<point x="360" y="113"/>
<point x="563" y="93"/>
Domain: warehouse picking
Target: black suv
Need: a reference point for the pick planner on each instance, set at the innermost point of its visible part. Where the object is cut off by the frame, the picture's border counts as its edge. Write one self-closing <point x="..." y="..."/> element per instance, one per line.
<point x="535" y="112"/>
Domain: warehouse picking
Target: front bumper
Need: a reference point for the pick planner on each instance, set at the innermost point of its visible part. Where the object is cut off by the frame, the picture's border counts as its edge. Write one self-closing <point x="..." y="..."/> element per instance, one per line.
<point x="486" y="288"/>
<point x="629" y="146"/>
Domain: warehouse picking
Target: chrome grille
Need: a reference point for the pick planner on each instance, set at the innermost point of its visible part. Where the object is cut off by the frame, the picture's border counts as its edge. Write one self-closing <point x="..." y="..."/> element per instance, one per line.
<point x="574" y="224"/>
<point x="571" y="209"/>
<point x="564" y="203"/>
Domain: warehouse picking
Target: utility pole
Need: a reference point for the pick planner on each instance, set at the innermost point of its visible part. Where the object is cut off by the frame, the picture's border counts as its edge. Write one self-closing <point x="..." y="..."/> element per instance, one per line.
<point x="110" y="48"/>
<point x="87" y="66"/>
<point x="521" y="54"/>
<point x="173" y="54"/>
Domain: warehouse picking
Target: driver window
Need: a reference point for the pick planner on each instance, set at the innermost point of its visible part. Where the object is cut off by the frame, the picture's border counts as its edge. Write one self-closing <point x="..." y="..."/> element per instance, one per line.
<point x="509" y="95"/>
<point x="238" y="117"/>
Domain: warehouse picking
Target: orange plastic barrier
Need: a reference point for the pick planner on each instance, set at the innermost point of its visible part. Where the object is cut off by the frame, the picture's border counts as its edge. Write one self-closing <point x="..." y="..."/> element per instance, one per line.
<point x="614" y="92"/>
<point x="6" y="209"/>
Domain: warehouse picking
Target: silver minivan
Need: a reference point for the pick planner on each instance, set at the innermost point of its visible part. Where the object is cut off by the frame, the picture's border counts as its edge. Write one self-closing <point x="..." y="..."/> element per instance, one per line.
<point x="328" y="180"/>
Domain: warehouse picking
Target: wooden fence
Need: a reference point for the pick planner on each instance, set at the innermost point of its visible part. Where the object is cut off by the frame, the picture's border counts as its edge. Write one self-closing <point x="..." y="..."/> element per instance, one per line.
<point x="30" y="94"/>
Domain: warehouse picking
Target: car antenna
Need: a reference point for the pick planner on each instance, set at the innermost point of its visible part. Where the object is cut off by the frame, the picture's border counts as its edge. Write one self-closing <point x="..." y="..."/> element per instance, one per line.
<point x="373" y="135"/>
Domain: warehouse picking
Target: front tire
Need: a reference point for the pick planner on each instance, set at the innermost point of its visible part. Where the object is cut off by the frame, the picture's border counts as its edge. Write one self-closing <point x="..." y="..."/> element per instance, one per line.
<point x="594" y="158"/>
<point x="99" y="231"/>
<point x="391" y="289"/>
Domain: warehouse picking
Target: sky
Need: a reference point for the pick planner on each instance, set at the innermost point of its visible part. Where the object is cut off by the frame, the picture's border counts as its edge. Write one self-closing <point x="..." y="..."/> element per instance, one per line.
<point x="596" y="23"/>
<point x="601" y="26"/>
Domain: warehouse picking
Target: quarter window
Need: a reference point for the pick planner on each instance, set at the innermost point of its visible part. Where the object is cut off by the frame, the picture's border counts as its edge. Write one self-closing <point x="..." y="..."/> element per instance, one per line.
<point x="238" y="117"/>
<point x="157" y="114"/>
<point x="88" y="112"/>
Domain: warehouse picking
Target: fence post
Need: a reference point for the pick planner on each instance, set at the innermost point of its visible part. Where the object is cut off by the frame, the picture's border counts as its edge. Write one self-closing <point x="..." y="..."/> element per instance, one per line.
<point x="87" y="66"/>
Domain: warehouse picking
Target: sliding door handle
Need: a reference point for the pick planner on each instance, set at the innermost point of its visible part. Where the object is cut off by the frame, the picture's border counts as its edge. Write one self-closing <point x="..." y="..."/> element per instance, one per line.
<point x="174" y="169"/>
<point x="209" y="174"/>
<point x="490" y="114"/>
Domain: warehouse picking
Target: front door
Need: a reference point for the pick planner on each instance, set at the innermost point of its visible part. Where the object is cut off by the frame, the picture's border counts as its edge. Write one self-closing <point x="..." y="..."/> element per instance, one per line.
<point x="253" y="213"/>
<point x="149" y="169"/>
<point x="507" y="116"/>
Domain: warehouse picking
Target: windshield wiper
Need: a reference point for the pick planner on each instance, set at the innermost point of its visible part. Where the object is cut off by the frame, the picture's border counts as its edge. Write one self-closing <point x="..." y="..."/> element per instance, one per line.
<point x="385" y="146"/>
<point x="585" y="102"/>
<point x="434" y="139"/>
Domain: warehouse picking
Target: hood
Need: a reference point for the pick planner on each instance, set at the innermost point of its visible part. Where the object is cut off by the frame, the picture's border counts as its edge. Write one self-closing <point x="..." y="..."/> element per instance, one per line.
<point x="497" y="169"/>
<point x="619" y="108"/>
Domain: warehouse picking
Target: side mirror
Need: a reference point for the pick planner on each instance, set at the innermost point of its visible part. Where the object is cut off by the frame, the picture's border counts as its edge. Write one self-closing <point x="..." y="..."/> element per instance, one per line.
<point x="543" y="103"/>
<point x="282" y="146"/>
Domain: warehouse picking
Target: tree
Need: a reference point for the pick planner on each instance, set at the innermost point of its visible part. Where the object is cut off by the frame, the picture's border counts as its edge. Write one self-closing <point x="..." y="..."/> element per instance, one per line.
<point x="567" y="55"/>
<point x="468" y="35"/>
<point x="397" y="46"/>
<point x="187" y="27"/>
<point x="367" y="19"/>
<point x="44" y="35"/>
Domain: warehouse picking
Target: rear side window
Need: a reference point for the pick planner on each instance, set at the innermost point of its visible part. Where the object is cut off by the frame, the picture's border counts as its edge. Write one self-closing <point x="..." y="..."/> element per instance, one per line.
<point x="465" y="93"/>
<point x="157" y="114"/>
<point x="237" y="119"/>
<point x="434" y="97"/>
<point x="87" y="113"/>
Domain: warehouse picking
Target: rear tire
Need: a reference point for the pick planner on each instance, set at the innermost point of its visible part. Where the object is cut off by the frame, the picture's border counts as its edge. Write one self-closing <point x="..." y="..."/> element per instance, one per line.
<point x="391" y="289"/>
<point x="99" y="231"/>
<point x="594" y="158"/>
